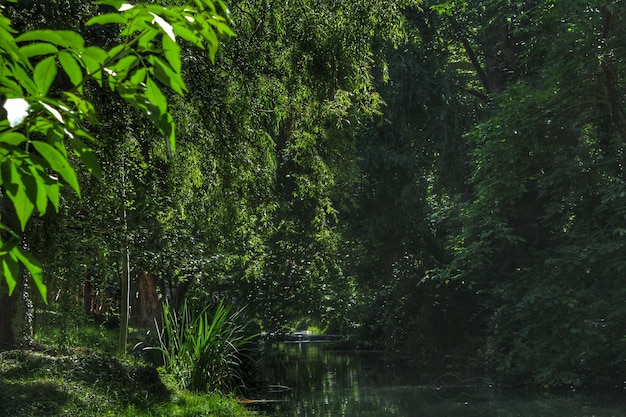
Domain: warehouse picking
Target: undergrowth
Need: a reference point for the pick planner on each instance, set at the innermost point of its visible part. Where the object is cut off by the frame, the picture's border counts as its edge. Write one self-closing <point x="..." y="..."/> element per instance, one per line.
<point x="207" y="351"/>
<point x="74" y="372"/>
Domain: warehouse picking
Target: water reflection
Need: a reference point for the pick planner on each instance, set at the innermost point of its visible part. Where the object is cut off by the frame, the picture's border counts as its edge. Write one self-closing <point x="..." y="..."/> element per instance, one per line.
<point x="309" y="380"/>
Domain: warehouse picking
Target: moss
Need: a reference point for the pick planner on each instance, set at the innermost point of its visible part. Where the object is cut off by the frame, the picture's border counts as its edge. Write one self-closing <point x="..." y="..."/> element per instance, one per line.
<point x="75" y="385"/>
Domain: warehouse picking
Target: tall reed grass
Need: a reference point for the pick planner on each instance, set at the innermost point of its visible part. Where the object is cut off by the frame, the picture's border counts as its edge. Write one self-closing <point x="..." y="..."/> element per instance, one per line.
<point x="206" y="352"/>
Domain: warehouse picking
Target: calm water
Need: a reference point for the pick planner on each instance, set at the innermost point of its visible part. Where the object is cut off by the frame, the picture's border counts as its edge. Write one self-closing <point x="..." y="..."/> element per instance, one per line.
<point x="307" y="380"/>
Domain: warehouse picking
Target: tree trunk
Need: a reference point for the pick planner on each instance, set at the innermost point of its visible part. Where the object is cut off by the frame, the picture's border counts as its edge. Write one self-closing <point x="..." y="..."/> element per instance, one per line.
<point x="16" y="311"/>
<point x="125" y="301"/>
<point x="149" y="304"/>
<point x="16" y="316"/>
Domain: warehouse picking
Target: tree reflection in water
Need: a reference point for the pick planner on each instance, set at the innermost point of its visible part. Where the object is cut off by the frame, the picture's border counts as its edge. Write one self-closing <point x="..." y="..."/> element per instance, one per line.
<point x="310" y="379"/>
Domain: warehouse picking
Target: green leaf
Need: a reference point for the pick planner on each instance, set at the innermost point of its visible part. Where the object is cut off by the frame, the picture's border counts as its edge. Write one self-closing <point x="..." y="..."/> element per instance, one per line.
<point x="94" y="59"/>
<point x="188" y="35"/>
<point x="17" y="193"/>
<point x="63" y="38"/>
<point x="44" y="74"/>
<point x="171" y="51"/>
<point x="10" y="88"/>
<point x="225" y="9"/>
<point x="222" y="28"/>
<point x="124" y="66"/>
<point x="10" y="46"/>
<point x="164" y="73"/>
<point x="53" y="190"/>
<point x="35" y="188"/>
<point x="10" y="270"/>
<point x="139" y="76"/>
<point x="12" y="138"/>
<point x="139" y="23"/>
<point x="31" y="188"/>
<point x="35" y="269"/>
<point x="25" y="80"/>
<point x="210" y="42"/>
<point x="44" y="125"/>
<point x="5" y="27"/>
<point x="37" y="49"/>
<point x="144" y="44"/>
<point x="59" y="163"/>
<point x="168" y="128"/>
<point x="206" y="5"/>
<point x="155" y="95"/>
<point x="85" y="108"/>
<point x="71" y="67"/>
<point x="115" y="51"/>
<point x="87" y="157"/>
<point x="107" y="19"/>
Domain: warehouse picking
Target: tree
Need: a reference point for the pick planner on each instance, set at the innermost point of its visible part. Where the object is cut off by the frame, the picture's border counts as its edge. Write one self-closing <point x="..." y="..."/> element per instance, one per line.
<point x="539" y="235"/>
<point x="280" y="129"/>
<point x="45" y="118"/>
<point x="411" y="169"/>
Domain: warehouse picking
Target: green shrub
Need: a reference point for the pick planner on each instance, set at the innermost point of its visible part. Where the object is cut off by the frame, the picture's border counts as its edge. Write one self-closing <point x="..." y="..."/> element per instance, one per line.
<point x="206" y="352"/>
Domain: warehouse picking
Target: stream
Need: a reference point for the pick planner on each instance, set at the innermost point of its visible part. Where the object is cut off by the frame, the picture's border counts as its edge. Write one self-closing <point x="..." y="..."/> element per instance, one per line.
<point x="310" y="379"/>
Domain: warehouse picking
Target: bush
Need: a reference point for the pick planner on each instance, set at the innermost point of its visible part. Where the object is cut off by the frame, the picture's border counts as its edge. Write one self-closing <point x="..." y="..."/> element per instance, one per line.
<point x="206" y="352"/>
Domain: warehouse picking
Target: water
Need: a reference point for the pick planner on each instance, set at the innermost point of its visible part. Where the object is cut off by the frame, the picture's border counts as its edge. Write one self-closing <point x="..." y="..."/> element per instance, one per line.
<point x="311" y="380"/>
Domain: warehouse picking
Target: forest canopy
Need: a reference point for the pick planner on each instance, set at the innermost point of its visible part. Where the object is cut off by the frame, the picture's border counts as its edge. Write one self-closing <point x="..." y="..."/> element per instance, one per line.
<point x="439" y="178"/>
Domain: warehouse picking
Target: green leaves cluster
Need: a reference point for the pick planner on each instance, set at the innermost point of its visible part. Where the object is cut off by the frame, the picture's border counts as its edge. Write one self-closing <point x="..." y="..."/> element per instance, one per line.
<point x="39" y="144"/>
<point x="538" y="230"/>
<point x="206" y="351"/>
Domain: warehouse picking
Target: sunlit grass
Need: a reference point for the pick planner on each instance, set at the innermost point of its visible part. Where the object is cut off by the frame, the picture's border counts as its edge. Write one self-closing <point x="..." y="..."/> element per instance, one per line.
<point x="185" y="404"/>
<point x="89" y="337"/>
<point x="75" y="371"/>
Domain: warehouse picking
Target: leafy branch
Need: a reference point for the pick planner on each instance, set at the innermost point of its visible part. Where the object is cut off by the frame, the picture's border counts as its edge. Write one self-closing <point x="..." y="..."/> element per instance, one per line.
<point x="43" y="124"/>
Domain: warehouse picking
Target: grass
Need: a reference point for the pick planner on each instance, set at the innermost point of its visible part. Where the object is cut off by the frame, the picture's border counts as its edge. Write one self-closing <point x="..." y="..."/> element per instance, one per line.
<point x="74" y="372"/>
<point x="206" y="351"/>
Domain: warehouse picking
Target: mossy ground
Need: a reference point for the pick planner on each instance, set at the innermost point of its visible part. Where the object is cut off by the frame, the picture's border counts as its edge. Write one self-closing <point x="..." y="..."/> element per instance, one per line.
<point x="85" y="379"/>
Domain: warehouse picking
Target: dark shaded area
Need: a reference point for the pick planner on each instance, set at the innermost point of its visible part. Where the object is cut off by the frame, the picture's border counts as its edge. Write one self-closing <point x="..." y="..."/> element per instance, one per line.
<point x="316" y="380"/>
<point x="31" y="399"/>
<point x="72" y="379"/>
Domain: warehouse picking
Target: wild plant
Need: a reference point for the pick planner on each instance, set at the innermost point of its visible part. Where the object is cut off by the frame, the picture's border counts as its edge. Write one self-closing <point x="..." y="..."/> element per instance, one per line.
<point x="206" y="352"/>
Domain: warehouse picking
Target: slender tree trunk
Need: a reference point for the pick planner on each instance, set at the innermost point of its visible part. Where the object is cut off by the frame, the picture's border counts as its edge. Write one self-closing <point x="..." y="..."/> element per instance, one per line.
<point x="125" y="301"/>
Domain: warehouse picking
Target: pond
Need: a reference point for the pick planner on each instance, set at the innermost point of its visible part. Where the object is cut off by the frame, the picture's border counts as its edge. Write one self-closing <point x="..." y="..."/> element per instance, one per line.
<point x="310" y="379"/>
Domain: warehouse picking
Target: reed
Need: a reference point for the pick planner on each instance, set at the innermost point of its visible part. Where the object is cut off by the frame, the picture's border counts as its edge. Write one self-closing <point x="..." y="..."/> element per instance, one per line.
<point x="206" y="352"/>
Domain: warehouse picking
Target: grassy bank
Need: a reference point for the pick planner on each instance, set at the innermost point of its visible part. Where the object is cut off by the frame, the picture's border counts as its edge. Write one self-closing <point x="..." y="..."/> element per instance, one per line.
<point x="75" y="373"/>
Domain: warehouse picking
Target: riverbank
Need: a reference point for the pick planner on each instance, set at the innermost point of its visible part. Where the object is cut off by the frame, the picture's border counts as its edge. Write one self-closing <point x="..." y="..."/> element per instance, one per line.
<point x="76" y="384"/>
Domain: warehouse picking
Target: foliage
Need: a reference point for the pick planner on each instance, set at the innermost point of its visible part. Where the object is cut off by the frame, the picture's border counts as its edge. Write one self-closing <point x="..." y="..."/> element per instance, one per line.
<point x="44" y="121"/>
<point x="69" y="330"/>
<point x="84" y="384"/>
<point x="448" y="175"/>
<point x="206" y="352"/>
<point x="411" y="168"/>
<point x="276" y="131"/>
<point x="539" y="235"/>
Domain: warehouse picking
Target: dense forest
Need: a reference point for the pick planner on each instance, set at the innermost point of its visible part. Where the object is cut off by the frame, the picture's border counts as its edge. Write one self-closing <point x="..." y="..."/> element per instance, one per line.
<point x="438" y="179"/>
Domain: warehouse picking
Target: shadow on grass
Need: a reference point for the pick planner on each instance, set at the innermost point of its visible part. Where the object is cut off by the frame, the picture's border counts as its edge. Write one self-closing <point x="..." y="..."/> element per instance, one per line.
<point x="31" y="399"/>
<point x="40" y="384"/>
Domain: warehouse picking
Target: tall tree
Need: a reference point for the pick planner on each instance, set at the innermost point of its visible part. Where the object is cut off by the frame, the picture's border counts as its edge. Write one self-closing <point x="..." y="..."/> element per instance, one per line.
<point x="540" y="235"/>
<point x="41" y="125"/>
